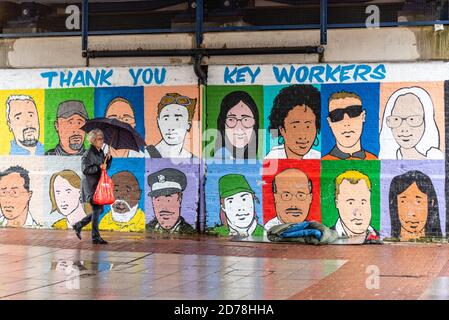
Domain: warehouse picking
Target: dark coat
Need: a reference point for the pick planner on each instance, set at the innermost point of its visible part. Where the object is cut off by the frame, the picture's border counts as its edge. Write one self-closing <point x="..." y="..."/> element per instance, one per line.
<point x="90" y="167"/>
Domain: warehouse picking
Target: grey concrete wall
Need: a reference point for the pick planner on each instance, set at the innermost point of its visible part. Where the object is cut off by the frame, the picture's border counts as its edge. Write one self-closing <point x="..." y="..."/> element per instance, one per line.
<point x="344" y="45"/>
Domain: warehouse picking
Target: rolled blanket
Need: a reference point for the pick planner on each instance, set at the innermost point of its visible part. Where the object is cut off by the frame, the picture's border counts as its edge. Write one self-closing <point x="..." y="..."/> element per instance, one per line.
<point x="310" y="232"/>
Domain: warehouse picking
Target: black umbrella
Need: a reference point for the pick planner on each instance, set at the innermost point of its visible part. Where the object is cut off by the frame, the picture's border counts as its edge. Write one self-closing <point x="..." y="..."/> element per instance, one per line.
<point x="117" y="134"/>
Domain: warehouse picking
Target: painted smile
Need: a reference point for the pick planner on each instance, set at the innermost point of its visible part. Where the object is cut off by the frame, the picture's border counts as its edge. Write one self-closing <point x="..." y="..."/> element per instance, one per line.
<point x="242" y="216"/>
<point x="29" y="133"/>
<point x="240" y="135"/>
<point x="347" y="134"/>
<point x="166" y="215"/>
<point x="412" y="224"/>
<point x="295" y="212"/>
<point x="405" y="138"/>
<point x="173" y="135"/>
<point x="76" y="139"/>
<point x="357" y="222"/>
<point x="302" y="145"/>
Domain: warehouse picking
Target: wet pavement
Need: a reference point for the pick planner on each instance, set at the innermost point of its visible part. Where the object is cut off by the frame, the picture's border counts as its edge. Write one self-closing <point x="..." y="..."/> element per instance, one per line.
<point x="47" y="264"/>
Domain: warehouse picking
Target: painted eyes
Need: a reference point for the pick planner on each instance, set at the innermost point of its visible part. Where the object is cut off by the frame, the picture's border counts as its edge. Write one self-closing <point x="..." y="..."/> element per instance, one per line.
<point x="77" y="122"/>
<point x="352" y="202"/>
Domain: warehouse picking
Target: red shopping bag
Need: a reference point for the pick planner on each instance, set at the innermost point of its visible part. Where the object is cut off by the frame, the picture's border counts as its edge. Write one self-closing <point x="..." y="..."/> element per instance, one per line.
<point x="104" y="194"/>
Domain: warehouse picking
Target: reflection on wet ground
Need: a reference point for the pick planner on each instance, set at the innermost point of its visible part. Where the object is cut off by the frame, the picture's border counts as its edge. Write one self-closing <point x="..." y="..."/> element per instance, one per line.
<point x="52" y="273"/>
<point x="438" y="289"/>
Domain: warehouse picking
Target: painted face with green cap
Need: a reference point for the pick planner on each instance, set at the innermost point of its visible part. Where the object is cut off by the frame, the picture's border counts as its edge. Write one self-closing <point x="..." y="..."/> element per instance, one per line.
<point x="237" y="201"/>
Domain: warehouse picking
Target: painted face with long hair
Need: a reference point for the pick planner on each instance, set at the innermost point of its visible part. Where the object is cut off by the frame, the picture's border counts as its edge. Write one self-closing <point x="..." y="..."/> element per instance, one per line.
<point x="409" y="124"/>
<point x="67" y="196"/>
<point x="413" y="206"/>
<point x="239" y="128"/>
<point x="237" y="124"/>
<point x="407" y="121"/>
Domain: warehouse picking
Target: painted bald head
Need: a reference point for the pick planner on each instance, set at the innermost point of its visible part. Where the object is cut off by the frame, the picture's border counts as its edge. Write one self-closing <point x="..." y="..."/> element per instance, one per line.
<point x="121" y="109"/>
<point x="292" y="191"/>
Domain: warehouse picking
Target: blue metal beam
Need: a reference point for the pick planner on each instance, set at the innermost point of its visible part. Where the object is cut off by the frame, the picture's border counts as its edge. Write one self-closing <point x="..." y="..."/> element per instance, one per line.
<point x="323" y="22"/>
<point x="85" y="29"/>
<point x="199" y="10"/>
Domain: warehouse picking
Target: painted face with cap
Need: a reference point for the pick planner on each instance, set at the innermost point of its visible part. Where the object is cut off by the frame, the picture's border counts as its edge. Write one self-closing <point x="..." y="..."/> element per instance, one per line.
<point x="167" y="186"/>
<point x="167" y="209"/>
<point x="237" y="201"/>
<point x="71" y="117"/>
<point x="239" y="209"/>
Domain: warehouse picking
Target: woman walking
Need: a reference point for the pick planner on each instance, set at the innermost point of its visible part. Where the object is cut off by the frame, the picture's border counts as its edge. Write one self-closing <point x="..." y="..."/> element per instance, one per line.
<point x="92" y="163"/>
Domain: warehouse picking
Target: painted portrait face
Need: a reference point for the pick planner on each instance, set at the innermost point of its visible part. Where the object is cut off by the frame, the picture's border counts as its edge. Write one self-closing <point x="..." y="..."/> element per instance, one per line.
<point x="239" y="209"/>
<point x="354" y="205"/>
<point x="67" y="197"/>
<point x="71" y="137"/>
<point x="14" y="198"/>
<point x="167" y="209"/>
<point x="239" y="125"/>
<point x="292" y="198"/>
<point x="23" y="121"/>
<point x="126" y="191"/>
<point x="122" y="111"/>
<point x="412" y="209"/>
<point x="346" y="121"/>
<point x="407" y="121"/>
<point x="173" y="123"/>
<point x="299" y="130"/>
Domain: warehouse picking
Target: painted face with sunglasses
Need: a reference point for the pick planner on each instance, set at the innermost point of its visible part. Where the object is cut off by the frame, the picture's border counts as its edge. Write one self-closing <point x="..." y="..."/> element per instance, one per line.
<point x="346" y="118"/>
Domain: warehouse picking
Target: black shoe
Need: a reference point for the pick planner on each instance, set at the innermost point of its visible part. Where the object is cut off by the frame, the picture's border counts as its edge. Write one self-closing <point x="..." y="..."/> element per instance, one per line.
<point x="99" y="241"/>
<point x="77" y="231"/>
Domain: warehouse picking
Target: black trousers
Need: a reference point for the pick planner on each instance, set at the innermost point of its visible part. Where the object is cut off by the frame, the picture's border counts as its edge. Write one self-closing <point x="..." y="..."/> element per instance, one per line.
<point x="94" y="217"/>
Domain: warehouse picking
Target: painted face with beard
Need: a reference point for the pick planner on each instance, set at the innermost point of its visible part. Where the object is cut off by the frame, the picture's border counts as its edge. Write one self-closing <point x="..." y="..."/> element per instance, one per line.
<point x="71" y="137"/>
<point x="23" y="121"/>
<point x="127" y="194"/>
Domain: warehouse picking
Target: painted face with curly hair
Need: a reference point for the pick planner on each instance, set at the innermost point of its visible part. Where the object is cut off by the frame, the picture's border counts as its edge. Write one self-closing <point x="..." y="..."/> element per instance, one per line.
<point x="299" y="130"/>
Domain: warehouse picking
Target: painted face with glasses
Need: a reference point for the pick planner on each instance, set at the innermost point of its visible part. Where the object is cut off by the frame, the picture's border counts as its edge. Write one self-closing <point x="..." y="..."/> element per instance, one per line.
<point x="14" y="197"/>
<point x="407" y="121"/>
<point x="292" y="191"/>
<point x="239" y="125"/>
<point x="346" y="118"/>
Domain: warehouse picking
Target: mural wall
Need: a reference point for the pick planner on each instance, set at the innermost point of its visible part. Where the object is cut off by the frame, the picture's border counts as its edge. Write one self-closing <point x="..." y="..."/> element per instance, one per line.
<point x="42" y="145"/>
<point x="360" y="148"/>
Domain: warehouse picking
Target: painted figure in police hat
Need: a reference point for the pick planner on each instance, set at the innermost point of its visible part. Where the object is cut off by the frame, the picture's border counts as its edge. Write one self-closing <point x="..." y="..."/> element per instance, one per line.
<point x="167" y="187"/>
<point x="237" y="207"/>
<point x="70" y="117"/>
